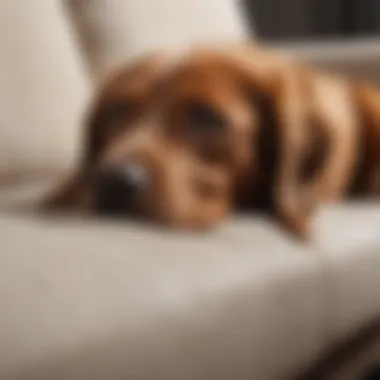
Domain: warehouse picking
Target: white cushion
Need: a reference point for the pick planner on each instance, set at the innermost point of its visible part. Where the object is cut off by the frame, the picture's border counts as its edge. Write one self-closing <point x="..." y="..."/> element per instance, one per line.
<point x="117" y="30"/>
<point x="43" y="88"/>
<point x="101" y="300"/>
<point x="91" y="300"/>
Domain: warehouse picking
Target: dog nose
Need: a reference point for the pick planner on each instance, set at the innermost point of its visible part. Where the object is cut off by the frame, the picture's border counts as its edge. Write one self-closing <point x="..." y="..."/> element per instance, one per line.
<point x="119" y="186"/>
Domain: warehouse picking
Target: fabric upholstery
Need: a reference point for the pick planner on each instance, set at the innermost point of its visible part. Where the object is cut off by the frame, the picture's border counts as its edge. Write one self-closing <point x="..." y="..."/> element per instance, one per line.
<point x="95" y="299"/>
<point x="112" y="31"/>
<point x="116" y="301"/>
<point x="43" y="88"/>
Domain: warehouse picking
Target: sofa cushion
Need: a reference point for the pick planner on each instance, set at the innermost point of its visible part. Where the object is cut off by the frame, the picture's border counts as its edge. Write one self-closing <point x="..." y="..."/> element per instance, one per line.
<point x="350" y="251"/>
<point x="102" y="300"/>
<point x="99" y="299"/>
<point x="113" y="30"/>
<point x="43" y="88"/>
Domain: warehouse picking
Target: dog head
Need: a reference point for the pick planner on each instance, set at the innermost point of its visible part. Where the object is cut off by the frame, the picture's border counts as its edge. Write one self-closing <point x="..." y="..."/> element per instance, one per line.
<point x="184" y="141"/>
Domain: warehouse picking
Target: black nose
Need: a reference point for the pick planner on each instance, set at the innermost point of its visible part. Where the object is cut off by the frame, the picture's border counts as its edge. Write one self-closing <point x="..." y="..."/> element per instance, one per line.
<point x="119" y="187"/>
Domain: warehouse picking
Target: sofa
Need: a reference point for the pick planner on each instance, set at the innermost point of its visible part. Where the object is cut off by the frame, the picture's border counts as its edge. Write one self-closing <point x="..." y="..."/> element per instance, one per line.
<point x="95" y="299"/>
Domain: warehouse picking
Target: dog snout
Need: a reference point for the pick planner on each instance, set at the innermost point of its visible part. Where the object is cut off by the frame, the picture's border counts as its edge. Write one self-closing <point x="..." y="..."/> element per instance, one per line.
<point x="119" y="187"/>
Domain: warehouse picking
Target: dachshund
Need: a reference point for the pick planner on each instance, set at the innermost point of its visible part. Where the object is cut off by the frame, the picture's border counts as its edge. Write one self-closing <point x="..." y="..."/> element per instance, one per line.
<point x="185" y="139"/>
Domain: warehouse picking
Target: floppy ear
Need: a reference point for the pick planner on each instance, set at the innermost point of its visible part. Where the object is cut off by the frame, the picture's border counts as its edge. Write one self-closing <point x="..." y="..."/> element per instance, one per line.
<point x="278" y="88"/>
<point x="293" y="202"/>
<point x="73" y="194"/>
<point x="76" y="192"/>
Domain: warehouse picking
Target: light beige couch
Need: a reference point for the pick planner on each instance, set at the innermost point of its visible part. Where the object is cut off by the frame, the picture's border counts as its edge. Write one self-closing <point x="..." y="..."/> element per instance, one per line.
<point x="96" y="300"/>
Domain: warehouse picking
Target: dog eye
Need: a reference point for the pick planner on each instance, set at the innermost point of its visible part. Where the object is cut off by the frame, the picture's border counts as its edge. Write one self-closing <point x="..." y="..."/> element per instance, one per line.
<point x="203" y="118"/>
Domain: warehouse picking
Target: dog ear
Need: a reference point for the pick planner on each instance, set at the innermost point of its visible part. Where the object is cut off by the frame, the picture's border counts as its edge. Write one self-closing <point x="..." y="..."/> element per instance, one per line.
<point x="73" y="194"/>
<point x="278" y="90"/>
<point x="76" y="192"/>
<point x="292" y="198"/>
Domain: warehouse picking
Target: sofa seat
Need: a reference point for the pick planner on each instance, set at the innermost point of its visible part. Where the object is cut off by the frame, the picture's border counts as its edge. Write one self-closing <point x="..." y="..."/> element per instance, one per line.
<point x="97" y="299"/>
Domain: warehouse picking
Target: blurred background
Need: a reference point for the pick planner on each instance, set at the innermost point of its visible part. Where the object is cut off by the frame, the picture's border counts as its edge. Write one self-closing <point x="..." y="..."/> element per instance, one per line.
<point x="284" y="20"/>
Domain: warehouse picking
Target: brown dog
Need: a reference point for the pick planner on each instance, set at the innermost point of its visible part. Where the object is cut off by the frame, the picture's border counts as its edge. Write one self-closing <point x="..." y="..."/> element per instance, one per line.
<point x="185" y="140"/>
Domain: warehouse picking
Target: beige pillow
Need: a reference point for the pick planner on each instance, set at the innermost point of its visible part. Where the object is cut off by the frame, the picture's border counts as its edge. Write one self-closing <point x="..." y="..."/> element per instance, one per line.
<point x="116" y="30"/>
<point x="43" y="88"/>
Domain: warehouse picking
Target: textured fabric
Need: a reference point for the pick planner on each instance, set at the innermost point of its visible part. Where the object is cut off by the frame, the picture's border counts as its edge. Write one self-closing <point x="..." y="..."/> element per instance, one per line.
<point x="96" y="299"/>
<point x="88" y="300"/>
<point x="42" y="88"/>
<point x="117" y="30"/>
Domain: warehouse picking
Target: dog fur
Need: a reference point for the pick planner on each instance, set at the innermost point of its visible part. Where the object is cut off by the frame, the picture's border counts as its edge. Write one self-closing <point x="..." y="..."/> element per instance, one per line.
<point x="227" y="128"/>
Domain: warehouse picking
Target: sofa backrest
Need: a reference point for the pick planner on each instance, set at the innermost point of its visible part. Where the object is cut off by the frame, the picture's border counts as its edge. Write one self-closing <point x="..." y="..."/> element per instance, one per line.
<point x="114" y="31"/>
<point x="43" y="87"/>
<point x="49" y="48"/>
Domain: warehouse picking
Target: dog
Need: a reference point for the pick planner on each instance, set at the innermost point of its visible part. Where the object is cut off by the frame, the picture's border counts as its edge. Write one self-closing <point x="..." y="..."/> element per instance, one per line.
<point x="183" y="140"/>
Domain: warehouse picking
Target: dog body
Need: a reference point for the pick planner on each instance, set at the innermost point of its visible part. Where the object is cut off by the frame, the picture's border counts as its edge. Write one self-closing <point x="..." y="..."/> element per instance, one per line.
<point x="185" y="140"/>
